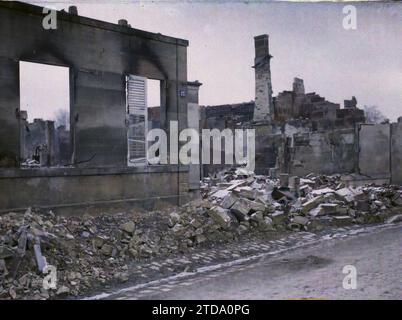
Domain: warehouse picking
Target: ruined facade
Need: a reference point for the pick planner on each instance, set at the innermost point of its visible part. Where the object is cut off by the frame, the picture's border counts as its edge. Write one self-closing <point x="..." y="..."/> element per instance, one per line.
<point x="296" y="132"/>
<point x="324" y="115"/>
<point x="101" y="57"/>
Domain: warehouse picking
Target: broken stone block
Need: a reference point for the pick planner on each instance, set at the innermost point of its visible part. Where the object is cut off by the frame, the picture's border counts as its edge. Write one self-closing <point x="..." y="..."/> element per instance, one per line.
<point x="267" y="224"/>
<point x="316" y="212"/>
<point x="328" y="209"/>
<point x="220" y="194"/>
<point x="128" y="227"/>
<point x="228" y="201"/>
<point x="300" y="220"/>
<point x="311" y="204"/>
<point x="257" y="217"/>
<point x="178" y="229"/>
<point x="278" y="217"/>
<point x="315" y="225"/>
<point x="256" y="206"/>
<point x="246" y="192"/>
<point x="240" y="209"/>
<point x="63" y="290"/>
<point x="308" y="182"/>
<point x="222" y="216"/>
<point x="349" y="194"/>
<point x="319" y="192"/>
<point x="341" y="221"/>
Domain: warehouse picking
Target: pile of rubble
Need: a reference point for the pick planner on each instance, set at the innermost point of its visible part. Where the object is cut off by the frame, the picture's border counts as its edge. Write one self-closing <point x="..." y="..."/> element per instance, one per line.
<point x="294" y="203"/>
<point x="89" y="251"/>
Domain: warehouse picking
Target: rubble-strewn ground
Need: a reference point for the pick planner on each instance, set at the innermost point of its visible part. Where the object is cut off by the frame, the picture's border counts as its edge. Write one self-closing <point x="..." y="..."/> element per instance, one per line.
<point x="91" y="251"/>
<point x="312" y="271"/>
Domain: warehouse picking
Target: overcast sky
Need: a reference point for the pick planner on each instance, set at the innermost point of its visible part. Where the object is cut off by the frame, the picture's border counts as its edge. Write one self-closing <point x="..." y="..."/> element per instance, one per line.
<point x="307" y="40"/>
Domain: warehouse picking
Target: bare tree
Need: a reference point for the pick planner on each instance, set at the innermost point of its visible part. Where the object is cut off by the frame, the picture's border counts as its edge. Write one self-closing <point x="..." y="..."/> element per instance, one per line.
<point x="62" y="118"/>
<point x="374" y="115"/>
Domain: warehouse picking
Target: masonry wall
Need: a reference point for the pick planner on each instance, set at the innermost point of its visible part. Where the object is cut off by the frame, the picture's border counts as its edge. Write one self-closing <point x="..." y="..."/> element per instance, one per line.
<point x="99" y="56"/>
<point x="324" y="152"/>
<point x="396" y="153"/>
<point x="374" y="150"/>
<point x="83" y="190"/>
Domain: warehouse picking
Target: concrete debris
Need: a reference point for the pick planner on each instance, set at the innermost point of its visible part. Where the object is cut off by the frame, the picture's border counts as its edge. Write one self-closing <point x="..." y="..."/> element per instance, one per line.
<point x="311" y="204"/>
<point x="92" y="250"/>
<point x="222" y="217"/>
<point x="301" y="203"/>
<point x="322" y="191"/>
<point x="300" y="220"/>
<point x="229" y="201"/>
<point x="241" y="208"/>
<point x="63" y="290"/>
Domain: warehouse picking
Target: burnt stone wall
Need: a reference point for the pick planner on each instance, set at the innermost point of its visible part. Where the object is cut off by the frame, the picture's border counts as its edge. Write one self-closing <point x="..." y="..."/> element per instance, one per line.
<point x="324" y="152"/>
<point x="99" y="55"/>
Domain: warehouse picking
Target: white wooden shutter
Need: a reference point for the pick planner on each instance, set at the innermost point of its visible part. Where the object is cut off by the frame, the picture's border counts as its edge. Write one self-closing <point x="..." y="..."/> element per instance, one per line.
<point x="137" y="121"/>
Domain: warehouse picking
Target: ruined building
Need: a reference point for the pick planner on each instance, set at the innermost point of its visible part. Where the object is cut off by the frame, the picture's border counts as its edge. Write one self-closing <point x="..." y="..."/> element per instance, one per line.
<point x="310" y="109"/>
<point x="109" y="66"/>
<point x="323" y="114"/>
<point x="289" y="124"/>
<point x="299" y="133"/>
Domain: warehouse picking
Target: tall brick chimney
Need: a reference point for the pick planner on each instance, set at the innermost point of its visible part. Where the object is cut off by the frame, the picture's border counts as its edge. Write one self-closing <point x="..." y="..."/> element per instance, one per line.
<point x="264" y="108"/>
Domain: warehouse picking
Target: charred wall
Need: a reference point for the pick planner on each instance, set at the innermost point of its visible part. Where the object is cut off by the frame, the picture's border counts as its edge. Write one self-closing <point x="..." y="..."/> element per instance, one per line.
<point x="99" y="56"/>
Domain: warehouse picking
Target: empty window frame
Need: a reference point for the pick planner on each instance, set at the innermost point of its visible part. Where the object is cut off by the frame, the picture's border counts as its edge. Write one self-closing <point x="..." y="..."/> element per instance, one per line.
<point x="143" y="114"/>
<point x="44" y="115"/>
